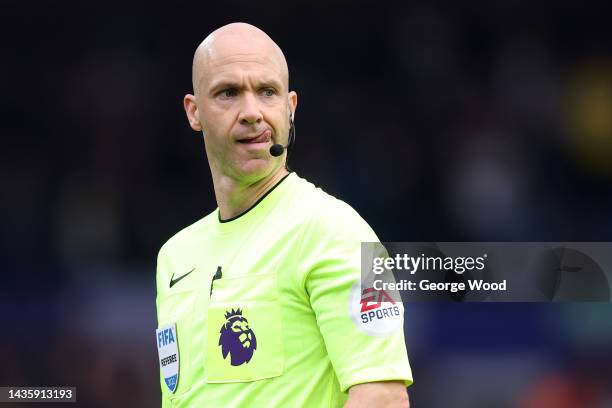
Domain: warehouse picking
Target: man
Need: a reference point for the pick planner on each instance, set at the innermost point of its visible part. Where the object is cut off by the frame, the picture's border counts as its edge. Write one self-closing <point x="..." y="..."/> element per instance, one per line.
<point x="253" y="300"/>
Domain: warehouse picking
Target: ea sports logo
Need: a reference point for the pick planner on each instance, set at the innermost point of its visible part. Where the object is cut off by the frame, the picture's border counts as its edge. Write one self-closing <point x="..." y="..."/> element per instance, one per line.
<point x="377" y="305"/>
<point x="375" y="312"/>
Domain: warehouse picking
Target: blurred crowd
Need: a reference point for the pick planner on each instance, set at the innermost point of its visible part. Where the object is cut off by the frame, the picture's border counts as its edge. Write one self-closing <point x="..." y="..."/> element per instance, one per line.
<point x="483" y="122"/>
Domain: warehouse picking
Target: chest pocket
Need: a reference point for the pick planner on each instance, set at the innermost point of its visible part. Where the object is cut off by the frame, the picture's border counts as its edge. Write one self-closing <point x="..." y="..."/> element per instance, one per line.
<point x="244" y="334"/>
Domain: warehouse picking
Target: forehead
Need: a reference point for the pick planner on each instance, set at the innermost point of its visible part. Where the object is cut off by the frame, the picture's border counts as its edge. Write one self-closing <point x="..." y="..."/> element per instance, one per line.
<point x="232" y="57"/>
<point x="243" y="63"/>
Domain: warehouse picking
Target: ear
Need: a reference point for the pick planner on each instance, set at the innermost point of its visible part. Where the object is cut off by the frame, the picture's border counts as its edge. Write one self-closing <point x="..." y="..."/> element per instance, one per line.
<point x="191" y="109"/>
<point x="293" y="99"/>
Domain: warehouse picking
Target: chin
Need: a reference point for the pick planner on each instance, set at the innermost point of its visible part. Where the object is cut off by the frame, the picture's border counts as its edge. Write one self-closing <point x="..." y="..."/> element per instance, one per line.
<point x="256" y="169"/>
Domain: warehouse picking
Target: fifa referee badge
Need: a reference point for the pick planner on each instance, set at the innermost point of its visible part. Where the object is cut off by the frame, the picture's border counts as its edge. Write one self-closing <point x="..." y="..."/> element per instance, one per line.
<point x="167" y="348"/>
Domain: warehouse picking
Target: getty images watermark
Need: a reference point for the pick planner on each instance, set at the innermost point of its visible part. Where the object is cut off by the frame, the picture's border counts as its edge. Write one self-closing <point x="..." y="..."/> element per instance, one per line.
<point x="491" y="271"/>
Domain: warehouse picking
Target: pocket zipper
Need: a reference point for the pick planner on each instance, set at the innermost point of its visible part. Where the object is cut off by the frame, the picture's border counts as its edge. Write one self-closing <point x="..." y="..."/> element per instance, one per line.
<point x="217" y="275"/>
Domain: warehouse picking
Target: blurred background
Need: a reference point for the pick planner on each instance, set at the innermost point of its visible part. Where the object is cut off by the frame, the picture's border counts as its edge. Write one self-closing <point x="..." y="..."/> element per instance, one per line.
<point x="438" y="122"/>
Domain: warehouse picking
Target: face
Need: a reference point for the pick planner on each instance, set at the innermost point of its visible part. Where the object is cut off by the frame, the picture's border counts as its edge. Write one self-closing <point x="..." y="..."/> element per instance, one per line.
<point x="243" y="107"/>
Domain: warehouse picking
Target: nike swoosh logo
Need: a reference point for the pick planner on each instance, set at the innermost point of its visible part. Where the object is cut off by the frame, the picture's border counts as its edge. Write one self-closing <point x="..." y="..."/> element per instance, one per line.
<point x="174" y="281"/>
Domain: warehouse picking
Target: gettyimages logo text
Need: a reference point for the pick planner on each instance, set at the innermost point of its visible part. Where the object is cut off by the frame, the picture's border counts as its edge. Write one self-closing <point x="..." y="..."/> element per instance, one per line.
<point x="412" y="264"/>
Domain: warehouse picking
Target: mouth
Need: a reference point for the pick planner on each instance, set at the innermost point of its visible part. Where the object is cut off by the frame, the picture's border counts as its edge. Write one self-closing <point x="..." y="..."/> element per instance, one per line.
<point x="263" y="137"/>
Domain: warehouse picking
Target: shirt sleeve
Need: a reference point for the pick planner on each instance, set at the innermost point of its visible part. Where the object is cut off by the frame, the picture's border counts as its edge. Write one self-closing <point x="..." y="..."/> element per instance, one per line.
<point x="332" y="264"/>
<point x="161" y="277"/>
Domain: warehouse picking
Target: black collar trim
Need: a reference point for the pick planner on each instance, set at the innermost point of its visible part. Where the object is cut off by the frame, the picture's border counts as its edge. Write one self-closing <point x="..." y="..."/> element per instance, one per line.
<point x="254" y="205"/>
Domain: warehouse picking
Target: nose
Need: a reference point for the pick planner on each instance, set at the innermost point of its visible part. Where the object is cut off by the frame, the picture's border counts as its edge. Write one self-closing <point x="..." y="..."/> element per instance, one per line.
<point x="250" y="113"/>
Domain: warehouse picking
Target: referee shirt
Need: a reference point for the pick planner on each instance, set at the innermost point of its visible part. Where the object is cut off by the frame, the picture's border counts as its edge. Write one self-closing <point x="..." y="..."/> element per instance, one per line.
<point x="264" y="308"/>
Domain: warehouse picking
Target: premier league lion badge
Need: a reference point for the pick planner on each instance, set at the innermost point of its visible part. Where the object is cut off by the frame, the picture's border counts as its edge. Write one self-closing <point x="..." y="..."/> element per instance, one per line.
<point x="237" y="338"/>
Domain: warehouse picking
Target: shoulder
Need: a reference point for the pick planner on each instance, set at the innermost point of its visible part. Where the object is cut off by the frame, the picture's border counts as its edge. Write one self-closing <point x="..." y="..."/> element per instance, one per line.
<point x="184" y="239"/>
<point x="328" y="215"/>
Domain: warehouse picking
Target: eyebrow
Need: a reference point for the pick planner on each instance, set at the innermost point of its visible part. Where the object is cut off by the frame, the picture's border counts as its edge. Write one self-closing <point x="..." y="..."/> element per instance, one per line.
<point x="227" y="84"/>
<point x="223" y="85"/>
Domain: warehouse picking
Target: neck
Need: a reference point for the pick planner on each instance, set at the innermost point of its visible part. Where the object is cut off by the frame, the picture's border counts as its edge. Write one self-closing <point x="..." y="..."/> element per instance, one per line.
<point x="235" y="197"/>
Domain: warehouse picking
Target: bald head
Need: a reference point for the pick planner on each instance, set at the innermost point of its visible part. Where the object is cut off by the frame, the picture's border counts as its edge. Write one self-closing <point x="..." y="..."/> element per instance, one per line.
<point x="241" y="104"/>
<point x="236" y="42"/>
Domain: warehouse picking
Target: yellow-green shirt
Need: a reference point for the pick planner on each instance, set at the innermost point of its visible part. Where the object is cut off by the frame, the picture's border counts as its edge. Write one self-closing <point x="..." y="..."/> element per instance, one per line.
<point x="274" y="327"/>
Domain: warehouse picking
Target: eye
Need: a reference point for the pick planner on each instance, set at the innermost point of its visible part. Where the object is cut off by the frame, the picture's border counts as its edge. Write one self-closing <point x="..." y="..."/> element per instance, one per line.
<point x="228" y="93"/>
<point x="269" y="92"/>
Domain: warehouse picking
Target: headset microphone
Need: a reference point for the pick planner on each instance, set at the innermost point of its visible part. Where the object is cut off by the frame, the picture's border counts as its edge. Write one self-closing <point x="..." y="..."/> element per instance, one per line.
<point x="277" y="149"/>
